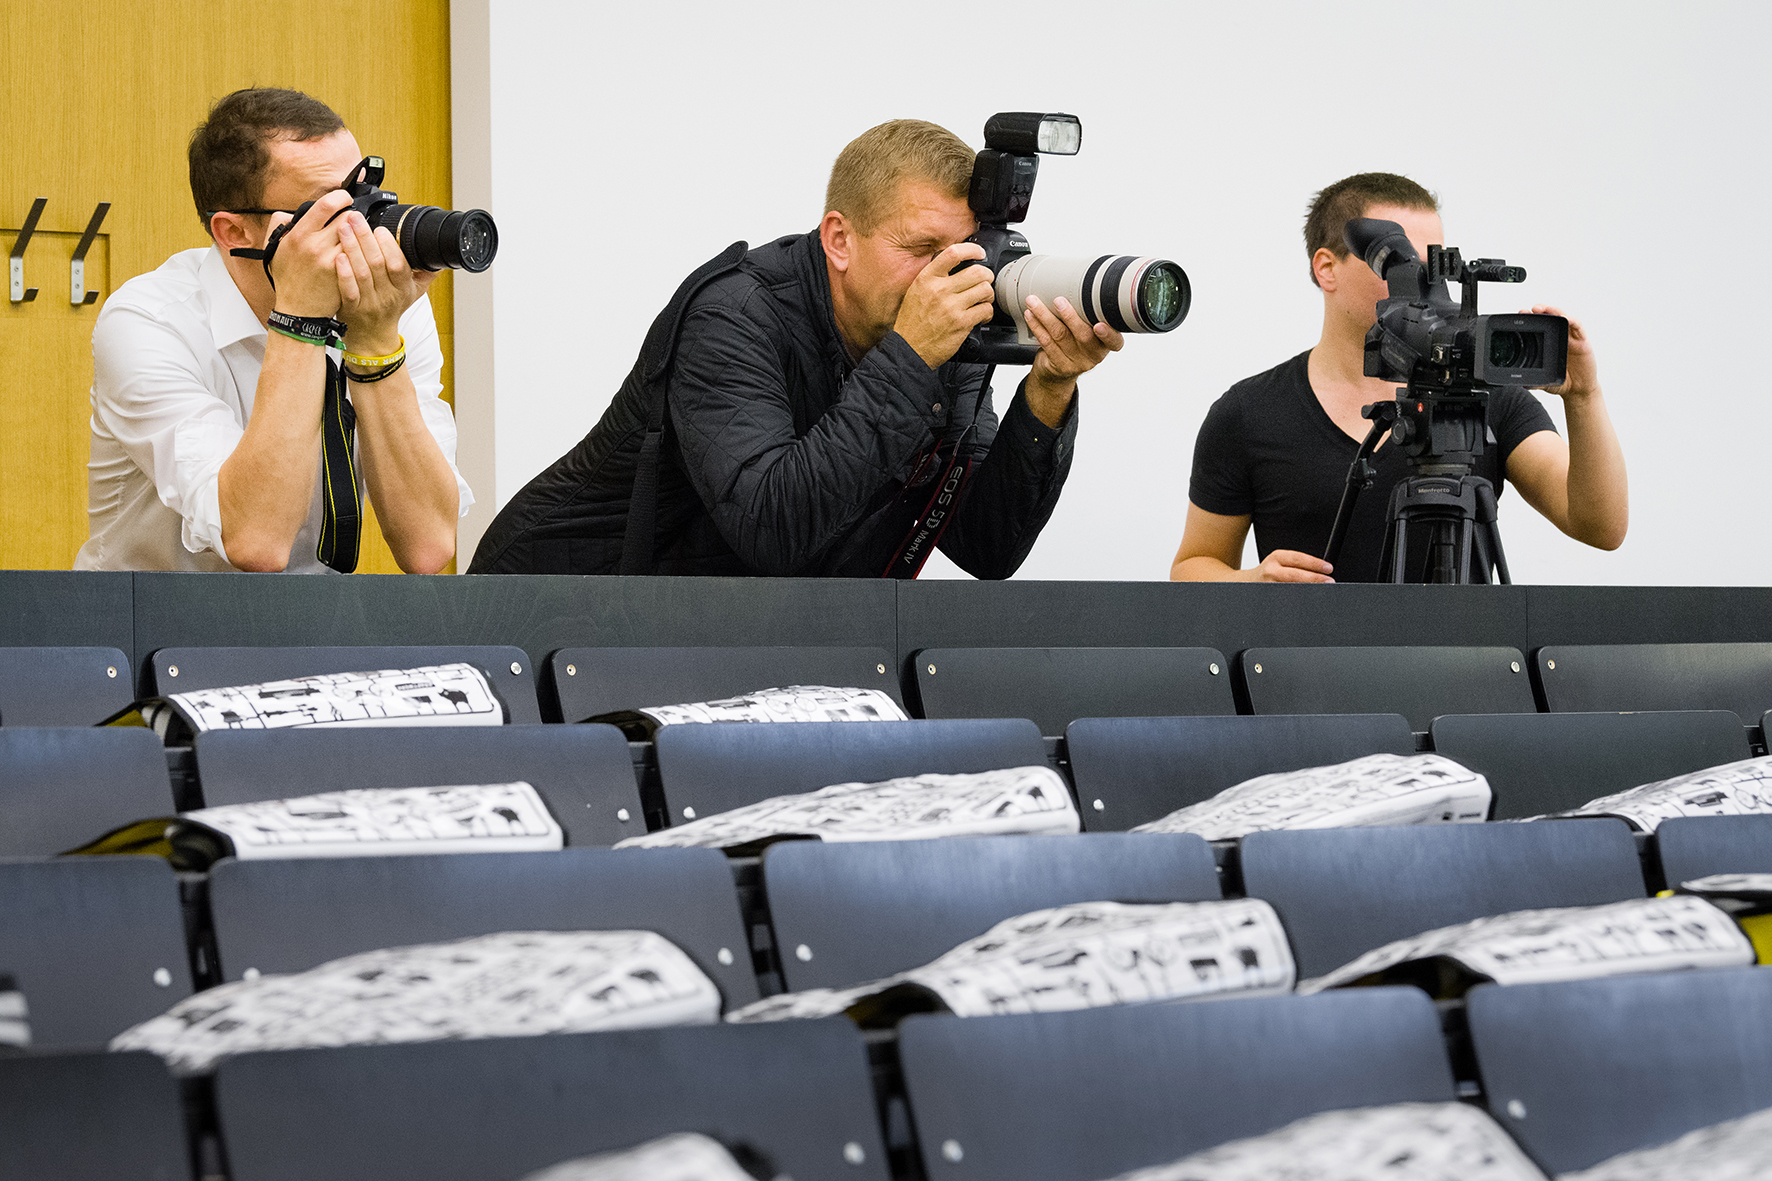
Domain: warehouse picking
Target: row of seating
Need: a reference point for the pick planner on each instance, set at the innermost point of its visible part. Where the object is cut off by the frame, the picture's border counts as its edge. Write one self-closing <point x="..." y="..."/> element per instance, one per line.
<point x="99" y="944"/>
<point x="1051" y="686"/>
<point x="61" y="787"/>
<point x="1576" y="1071"/>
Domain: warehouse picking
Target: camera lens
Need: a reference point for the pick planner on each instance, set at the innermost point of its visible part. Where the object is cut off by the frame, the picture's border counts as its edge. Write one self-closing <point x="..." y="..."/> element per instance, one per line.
<point x="1163" y="296"/>
<point x="433" y="238"/>
<point x="1516" y="350"/>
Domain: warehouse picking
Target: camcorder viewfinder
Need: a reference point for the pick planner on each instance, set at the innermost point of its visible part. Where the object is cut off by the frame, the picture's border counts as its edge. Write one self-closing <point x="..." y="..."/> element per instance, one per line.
<point x="432" y="239"/>
<point x="1129" y="293"/>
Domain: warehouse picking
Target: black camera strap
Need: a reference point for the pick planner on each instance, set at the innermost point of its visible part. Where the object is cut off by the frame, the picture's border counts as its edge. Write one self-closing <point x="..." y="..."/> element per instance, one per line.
<point x="341" y="525"/>
<point x="640" y="538"/>
<point x="937" y="512"/>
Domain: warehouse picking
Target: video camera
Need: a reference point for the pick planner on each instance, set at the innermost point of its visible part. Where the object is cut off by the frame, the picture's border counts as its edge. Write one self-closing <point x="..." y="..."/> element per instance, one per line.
<point x="1128" y="293"/>
<point x="429" y="237"/>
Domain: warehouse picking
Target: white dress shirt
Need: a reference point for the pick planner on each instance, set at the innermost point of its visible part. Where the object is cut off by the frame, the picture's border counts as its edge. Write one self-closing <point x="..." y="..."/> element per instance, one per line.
<point x="176" y="355"/>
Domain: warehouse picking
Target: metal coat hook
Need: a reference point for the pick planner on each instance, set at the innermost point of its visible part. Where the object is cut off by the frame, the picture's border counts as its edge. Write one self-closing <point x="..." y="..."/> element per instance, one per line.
<point x="77" y="293"/>
<point x="19" y="294"/>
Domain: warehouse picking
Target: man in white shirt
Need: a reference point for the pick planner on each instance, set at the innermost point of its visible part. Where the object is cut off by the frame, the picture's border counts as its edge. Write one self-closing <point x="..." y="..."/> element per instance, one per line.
<point x="210" y="382"/>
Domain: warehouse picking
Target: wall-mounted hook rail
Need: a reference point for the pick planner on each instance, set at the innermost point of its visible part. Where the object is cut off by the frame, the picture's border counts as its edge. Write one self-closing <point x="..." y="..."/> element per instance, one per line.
<point x="19" y="293"/>
<point x="77" y="293"/>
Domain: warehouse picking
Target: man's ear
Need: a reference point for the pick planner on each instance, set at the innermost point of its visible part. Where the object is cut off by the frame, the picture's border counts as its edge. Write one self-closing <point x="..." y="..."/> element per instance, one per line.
<point x="1323" y="268"/>
<point x="838" y="238"/>
<point x="229" y="231"/>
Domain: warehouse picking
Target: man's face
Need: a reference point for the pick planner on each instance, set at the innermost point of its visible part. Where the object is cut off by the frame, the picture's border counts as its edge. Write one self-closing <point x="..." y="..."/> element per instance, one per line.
<point x="922" y="223"/>
<point x="306" y="170"/>
<point x="1358" y="290"/>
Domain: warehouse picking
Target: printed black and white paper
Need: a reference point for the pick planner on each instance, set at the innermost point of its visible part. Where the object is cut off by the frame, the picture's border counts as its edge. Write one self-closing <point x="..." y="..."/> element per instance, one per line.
<point x="437" y="695"/>
<point x="511" y="984"/>
<point x="794" y="703"/>
<point x="1382" y="789"/>
<point x="1733" y="789"/>
<point x="1738" y="1150"/>
<point x="685" y="1156"/>
<point x="1083" y="956"/>
<point x="1399" y="1142"/>
<point x="918" y="807"/>
<point x="1732" y="885"/>
<point x="1570" y="943"/>
<point x="15" y="1017"/>
<point x="387" y="822"/>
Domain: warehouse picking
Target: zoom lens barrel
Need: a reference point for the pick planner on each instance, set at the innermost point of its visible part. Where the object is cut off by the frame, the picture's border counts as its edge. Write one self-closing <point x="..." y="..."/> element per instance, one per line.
<point x="433" y="239"/>
<point x="1129" y="293"/>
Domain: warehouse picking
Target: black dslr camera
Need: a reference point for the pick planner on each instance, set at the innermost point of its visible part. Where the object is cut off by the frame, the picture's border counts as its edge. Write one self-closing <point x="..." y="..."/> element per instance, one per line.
<point x="429" y="237"/>
<point x="1128" y="293"/>
<point x="1448" y="358"/>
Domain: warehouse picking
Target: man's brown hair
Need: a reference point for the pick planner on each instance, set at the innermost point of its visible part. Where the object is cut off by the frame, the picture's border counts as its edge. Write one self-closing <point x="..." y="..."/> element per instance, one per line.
<point x="228" y="155"/>
<point x="1351" y="197"/>
<point x="866" y="176"/>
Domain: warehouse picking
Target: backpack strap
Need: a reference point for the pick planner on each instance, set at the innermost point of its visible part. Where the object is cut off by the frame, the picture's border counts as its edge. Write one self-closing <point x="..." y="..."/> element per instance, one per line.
<point x="656" y="359"/>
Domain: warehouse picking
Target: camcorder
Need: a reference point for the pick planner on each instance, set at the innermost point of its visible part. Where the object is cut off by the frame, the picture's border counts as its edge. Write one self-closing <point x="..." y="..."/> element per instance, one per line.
<point x="1129" y="293"/>
<point x="430" y="238"/>
<point x="1448" y="358"/>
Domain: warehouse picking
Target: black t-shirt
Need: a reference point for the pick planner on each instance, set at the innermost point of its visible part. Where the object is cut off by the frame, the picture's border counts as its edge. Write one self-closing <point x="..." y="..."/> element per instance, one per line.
<point x="1269" y="450"/>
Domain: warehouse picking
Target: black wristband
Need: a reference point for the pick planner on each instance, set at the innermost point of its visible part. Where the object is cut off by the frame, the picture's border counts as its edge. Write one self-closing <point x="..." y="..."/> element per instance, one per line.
<point x="313" y="329"/>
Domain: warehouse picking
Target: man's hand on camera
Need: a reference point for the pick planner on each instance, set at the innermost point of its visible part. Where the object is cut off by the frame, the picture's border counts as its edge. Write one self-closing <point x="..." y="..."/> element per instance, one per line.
<point x="304" y="269"/>
<point x="1069" y="348"/>
<point x="1285" y="565"/>
<point x="1583" y="377"/>
<point x="376" y="285"/>
<point x="941" y="308"/>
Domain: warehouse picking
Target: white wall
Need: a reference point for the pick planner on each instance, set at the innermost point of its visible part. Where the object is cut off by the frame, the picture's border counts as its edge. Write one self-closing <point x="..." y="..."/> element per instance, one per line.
<point x="1616" y="150"/>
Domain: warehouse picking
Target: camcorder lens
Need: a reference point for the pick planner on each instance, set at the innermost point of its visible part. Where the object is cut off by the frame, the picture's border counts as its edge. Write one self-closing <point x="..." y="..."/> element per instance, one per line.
<point x="1516" y="350"/>
<point x="1162" y="297"/>
<point x="433" y="239"/>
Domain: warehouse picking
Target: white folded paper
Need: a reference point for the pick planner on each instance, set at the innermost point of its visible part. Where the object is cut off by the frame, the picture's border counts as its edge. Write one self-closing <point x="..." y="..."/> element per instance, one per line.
<point x="1379" y="789"/>
<point x="15" y="1018"/>
<point x="511" y="984"/>
<point x="1083" y="956"/>
<point x="1570" y="943"/>
<point x="1733" y="789"/>
<point x="1399" y="1142"/>
<point x="983" y="803"/>
<point x="795" y="703"/>
<point x="685" y="1156"/>
<point x="436" y="695"/>
<point x="388" y="822"/>
<point x="1732" y="885"/>
<point x="1738" y="1150"/>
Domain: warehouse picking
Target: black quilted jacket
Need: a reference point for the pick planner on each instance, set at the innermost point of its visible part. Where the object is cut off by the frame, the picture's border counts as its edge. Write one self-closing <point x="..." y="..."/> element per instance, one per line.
<point x="780" y="456"/>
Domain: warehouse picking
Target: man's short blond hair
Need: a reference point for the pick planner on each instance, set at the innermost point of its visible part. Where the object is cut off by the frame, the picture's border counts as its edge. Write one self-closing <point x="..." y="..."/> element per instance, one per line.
<point x="866" y="176"/>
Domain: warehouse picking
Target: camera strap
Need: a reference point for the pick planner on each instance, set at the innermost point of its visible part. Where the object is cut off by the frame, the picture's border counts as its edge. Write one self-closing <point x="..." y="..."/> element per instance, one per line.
<point x="341" y="522"/>
<point x="937" y="513"/>
<point x="640" y="538"/>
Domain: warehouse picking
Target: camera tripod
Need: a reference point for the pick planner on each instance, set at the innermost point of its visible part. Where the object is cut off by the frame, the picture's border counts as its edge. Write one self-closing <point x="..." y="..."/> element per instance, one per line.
<point x="1441" y="431"/>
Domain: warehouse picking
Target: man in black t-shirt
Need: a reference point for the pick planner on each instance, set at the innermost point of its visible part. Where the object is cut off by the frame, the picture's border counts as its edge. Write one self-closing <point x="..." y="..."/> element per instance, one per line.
<point x="1274" y="450"/>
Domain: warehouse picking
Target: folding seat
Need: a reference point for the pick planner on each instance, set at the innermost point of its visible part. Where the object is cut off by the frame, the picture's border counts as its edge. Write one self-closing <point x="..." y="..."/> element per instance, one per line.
<point x="1583" y="678"/>
<point x="591" y="681"/>
<point x="585" y="773"/>
<point x="62" y="787"/>
<point x="1055" y="686"/>
<point x="797" y="1092"/>
<point x="91" y="1117"/>
<point x="177" y="670"/>
<point x="1097" y="1092"/>
<point x="1583" y="1070"/>
<point x="1344" y="891"/>
<point x="291" y="915"/>
<point x="848" y="913"/>
<point x="1698" y="846"/>
<point x="96" y="944"/>
<point x="719" y="766"/>
<point x="1538" y="763"/>
<point x="1418" y="682"/>
<point x="1130" y="771"/>
<point x="62" y="686"/>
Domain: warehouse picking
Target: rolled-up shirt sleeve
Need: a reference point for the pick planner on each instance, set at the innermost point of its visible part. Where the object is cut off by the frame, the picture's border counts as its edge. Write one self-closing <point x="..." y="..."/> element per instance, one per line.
<point x="151" y="395"/>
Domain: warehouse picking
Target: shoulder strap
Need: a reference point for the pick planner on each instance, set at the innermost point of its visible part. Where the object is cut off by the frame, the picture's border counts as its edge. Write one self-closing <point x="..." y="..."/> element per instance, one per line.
<point x="661" y="349"/>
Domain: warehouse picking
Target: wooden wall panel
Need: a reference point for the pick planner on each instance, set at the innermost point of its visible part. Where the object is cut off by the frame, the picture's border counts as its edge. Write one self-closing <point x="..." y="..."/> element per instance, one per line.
<point x="98" y="101"/>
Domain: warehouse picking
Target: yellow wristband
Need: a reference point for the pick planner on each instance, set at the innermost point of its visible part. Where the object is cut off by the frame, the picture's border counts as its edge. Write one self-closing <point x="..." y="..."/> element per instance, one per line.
<point x="351" y="358"/>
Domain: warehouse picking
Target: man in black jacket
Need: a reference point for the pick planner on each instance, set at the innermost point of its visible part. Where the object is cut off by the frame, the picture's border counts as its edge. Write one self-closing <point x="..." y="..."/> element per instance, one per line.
<point x="813" y="422"/>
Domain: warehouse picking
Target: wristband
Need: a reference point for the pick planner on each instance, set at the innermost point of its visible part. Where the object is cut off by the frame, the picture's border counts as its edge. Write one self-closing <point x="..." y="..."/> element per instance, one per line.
<point x="371" y="378"/>
<point x="321" y="330"/>
<point x="392" y="358"/>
